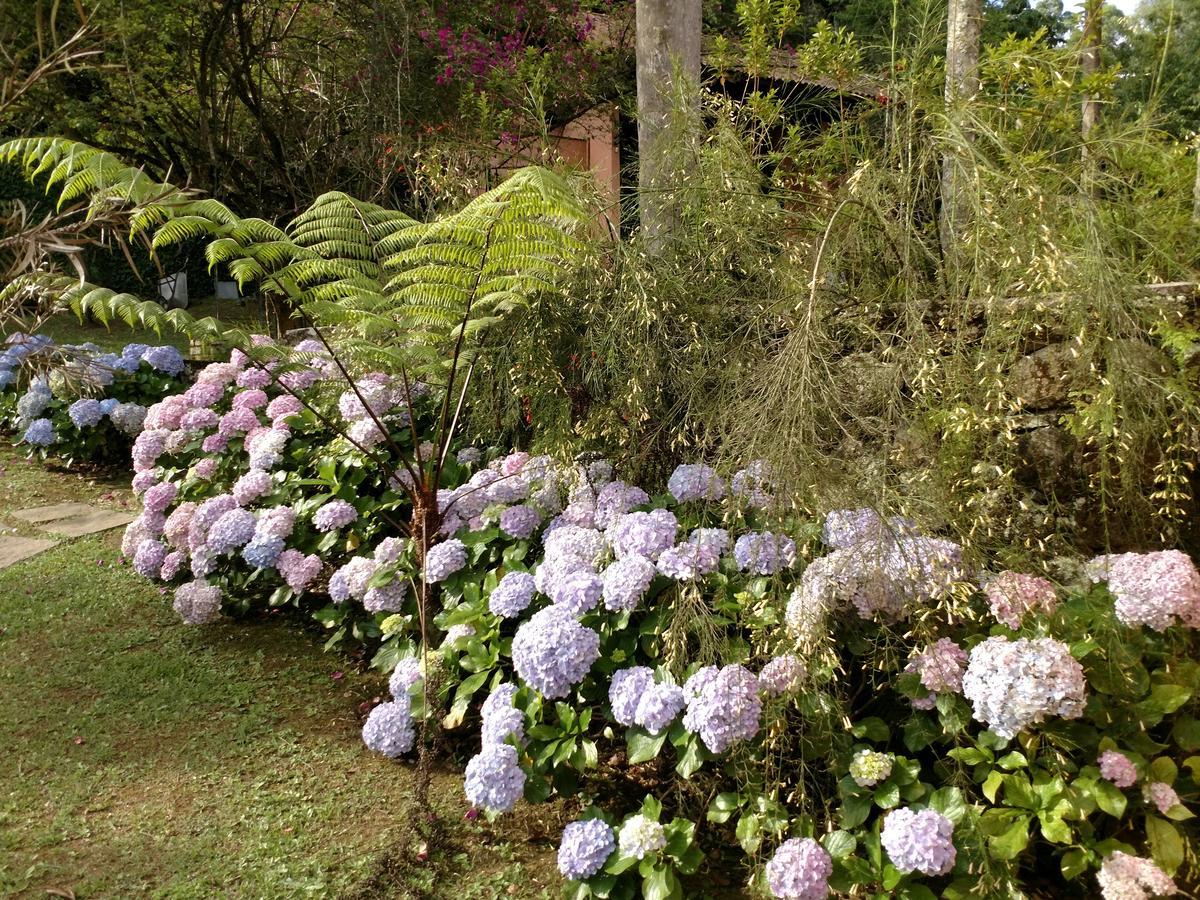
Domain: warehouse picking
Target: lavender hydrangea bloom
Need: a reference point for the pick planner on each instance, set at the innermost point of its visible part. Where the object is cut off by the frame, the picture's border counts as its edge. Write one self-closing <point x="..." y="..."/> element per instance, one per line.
<point x="85" y="412"/>
<point x="576" y="592"/>
<point x="1153" y="589"/>
<point x="33" y="403"/>
<point x="148" y="560"/>
<point x="781" y="675"/>
<point x="494" y="779"/>
<point x="724" y="708"/>
<point x="334" y="515"/>
<point x="846" y="528"/>
<point x="263" y="551"/>
<point x="385" y="598"/>
<point x="576" y="543"/>
<point x="406" y="674"/>
<point x="552" y="652"/>
<point x="469" y="456"/>
<point x="520" y="521"/>
<point x="276" y="521"/>
<point x="615" y="499"/>
<point x="205" y="515"/>
<point x="799" y="870"/>
<point x="626" y="582"/>
<point x="641" y="836"/>
<point x="753" y="484"/>
<point x="1126" y="877"/>
<point x="501" y="720"/>
<point x="1117" y="768"/>
<point x="233" y="530"/>
<point x="764" y="553"/>
<point x="298" y="570"/>
<point x="1013" y="684"/>
<point x="198" y="602"/>
<point x="444" y="559"/>
<point x="251" y="486"/>
<point x="626" y="690"/>
<point x="512" y="595"/>
<point x="941" y="666"/>
<point x="919" y="841"/>
<point x="1162" y="795"/>
<point x="643" y="533"/>
<point x="160" y="496"/>
<point x="389" y="728"/>
<point x="172" y="564"/>
<point x="658" y="707"/>
<point x="584" y="849"/>
<point x="40" y="433"/>
<point x="695" y="482"/>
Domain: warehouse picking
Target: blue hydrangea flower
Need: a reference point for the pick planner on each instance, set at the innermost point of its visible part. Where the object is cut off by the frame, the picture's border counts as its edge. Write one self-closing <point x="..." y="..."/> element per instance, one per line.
<point x="85" y="412"/>
<point x="626" y="582"/>
<point x="585" y="848"/>
<point x="764" y="553"/>
<point x="444" y="559"/>
<point x="501" y="720"/>
<point x="520" y="521"/>
<point x="108" y="405"/>
<point x="263" y="551"/>
<point x="512" y="595"/>
<point x="233" y="530"/>
<point x="7" y="377"/>
<point x="658" y="707"/>
<point x="33" y="402"/>
<point x="625" y="692"/>
<point x="643" y="533"/>
<point x="723" y="707"/>
<point x="494" y="779"/>
<point x="552" y="652"/>
<point x="576" y="592"/>
<point x="695" y="482"/>
<point x="128" y="417"/>
<point x="389" y="728"/>
<point x="40" y="433"/>
<point x="799" y="870"/>
<point x="406" y="674"/>
<point x="165" y="359"/>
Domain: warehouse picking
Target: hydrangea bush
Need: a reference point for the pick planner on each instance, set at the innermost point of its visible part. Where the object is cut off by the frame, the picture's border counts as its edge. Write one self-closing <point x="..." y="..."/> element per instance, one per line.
<point x="854" y="704"/>
<point x="78" y="402"/>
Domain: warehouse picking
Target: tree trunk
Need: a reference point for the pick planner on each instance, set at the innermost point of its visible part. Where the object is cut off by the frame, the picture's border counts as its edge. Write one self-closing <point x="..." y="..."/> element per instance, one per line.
<point x="1089" y="64"/>
<point x="668" y="44"/>
<point x="1196" y="187"/>
<point x="962" y="83"/>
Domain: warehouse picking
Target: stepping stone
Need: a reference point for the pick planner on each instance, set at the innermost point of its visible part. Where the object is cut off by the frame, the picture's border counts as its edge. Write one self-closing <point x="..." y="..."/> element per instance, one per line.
<point x="91" y="522"/>
<point x="74" y="519"/>
<point x="15" y="549"/>
<point x="39" y="514"/>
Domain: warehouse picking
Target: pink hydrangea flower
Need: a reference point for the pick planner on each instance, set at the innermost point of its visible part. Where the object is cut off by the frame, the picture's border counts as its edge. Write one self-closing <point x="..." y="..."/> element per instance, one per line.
<point x="1013" y="595"/>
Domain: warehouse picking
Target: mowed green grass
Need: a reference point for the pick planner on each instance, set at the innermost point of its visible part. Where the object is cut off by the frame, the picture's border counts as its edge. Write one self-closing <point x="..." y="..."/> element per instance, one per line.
<point x="143" y="757"/>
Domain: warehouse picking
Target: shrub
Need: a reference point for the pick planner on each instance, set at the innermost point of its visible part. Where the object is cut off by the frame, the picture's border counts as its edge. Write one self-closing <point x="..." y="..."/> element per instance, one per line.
<point x="78" y="402"/>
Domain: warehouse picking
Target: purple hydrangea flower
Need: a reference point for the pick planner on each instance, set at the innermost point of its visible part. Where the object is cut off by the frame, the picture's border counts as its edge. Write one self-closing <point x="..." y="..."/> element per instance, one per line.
<point x="501" y="720"/>
<point x="626" y="582"/>
<point x="176" y="526"/>
<point x="165" y="359"/>
<point x="919" y="841"/>
<point x="847" y="528"/>
<point x="385" y="598"/>
<point x="253" y="378"/>
<point x="205" y="515"/>
<point x="753" y="484"/>
<point x="1117" y="768"/>
<point x="1162" y="795"/>
<point x="298" y="570"/>
<point x="585" y="847"/>
<point x="276" y="521"/>
<point x="148" y="560"/>
<point x="158" y="498"/>
<point x="1013" y="684"/>
<point x="172" y="564"/>
<point x="85" y="412"/>
<point x="799" y="870"/>
<point x="520" y="521"/>
<point x="251" y="486"/>
<point x="643" y="533"/>
<point x="334" y="515"/>
<point x="233" y="530"/>
<point x="198" y="602"/>
<point x="576" y="592"/>
<point x="512" y="595"/>
<point x="695" y="482"/>
<point x="626" y="690"/>
<point x="552" y="652"/>
<point x="494" y="779"/>
<point x="723" y="708"/>
<point x="941" y="666"/>
<point x="658" y="707"/>
<point x="283" y="406"/>
<point x="615" y="499"/>
<point x="444" y="559"/>
<point x="764" y="553"/>
<point x="389" y="728"/>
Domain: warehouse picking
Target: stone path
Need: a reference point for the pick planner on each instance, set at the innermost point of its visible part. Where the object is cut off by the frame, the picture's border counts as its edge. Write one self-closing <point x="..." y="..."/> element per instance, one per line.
<point x="62" y="519"/>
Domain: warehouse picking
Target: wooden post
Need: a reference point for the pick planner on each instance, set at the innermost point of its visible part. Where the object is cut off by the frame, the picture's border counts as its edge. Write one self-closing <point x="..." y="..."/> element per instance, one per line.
<point x="668" y="42"/>
<point x="963" y="26"/>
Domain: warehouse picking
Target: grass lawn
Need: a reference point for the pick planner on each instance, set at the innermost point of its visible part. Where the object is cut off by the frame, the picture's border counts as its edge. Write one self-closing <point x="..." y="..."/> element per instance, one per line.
<point x="146" y="757"/>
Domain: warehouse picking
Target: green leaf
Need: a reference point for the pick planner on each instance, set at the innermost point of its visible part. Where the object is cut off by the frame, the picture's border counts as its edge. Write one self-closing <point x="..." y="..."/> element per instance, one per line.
<point x="1166" y="846"/>
<point x="691" y="759"/>
<point x="643" y="747"/>
<point x="919" y="733"/>
<point x="969" y="756"/>
<point x="854" y="812"/>
<point x="1012" y="760"/>
<point x="839" y="844"/>
<point x="1163" y="700"/>
<point x="992" y="784"/>
<point x="887" y="795"/>
<point x="949" y="802"/>
<point x="1186" y="734"/>
<point x="723" y="807"/>
<point x="1164" y="769"/>
<point x="1010" y="842"/>
<point x="1055" y="829"/>
<point x="1074" y="863"/>
<point x="661" y="884"/>
<point x="748" y="832"/>
<point x="1109" y="798"/>
<point x="872" y="729"/>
